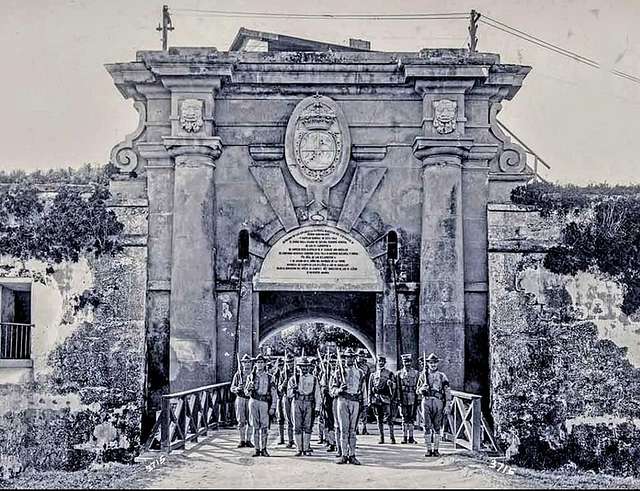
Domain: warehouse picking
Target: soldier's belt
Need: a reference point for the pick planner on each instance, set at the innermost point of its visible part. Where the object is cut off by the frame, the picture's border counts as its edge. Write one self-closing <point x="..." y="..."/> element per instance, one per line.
<point x="435" y="396"/>
<point x="305" y="397"/>
<point x="350" y="397"/>
<point x="241" y="397"/>
<point x="260" y="397"/>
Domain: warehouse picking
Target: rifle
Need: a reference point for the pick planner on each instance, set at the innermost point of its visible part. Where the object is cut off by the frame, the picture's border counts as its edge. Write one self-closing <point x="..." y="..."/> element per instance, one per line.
<point x="322" y="367"/>
<point x="239" y="370"/>
<point x="341" y="368"/>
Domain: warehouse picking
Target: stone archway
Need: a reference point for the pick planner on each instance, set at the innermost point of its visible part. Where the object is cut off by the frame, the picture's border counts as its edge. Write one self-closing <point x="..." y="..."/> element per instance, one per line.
<point x="366" y="341"/>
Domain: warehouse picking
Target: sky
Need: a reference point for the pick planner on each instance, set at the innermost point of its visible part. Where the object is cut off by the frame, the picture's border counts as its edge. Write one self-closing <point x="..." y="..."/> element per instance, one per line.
<point x="60" y="107"/>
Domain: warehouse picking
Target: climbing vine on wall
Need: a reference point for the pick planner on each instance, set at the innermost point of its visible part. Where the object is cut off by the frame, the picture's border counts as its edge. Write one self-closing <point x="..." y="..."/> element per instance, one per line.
<point x="606" y="237"/>
<point x="75" y="221"/>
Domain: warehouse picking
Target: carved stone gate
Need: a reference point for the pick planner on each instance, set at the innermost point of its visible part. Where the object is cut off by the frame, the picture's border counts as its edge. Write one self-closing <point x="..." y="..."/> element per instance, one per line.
<point x="318" y="155"/>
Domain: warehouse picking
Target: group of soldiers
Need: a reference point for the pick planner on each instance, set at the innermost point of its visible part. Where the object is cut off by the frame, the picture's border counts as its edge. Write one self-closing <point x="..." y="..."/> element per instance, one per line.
<point x="339" y="390"/>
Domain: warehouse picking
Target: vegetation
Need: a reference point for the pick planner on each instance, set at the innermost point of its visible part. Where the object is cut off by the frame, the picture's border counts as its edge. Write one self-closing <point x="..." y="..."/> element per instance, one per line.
<point x="310" y="336"/>
<point x="606" y="238"/>
<point x="73" y="221"/>
<point x="87" y="174"/>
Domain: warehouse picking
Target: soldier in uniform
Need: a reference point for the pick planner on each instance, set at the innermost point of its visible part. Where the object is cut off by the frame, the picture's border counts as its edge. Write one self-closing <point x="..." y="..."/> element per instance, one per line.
<point x="363" y="354"/>
<point x="436" y="401"/>
<point x="303" y="389"/>
<point x="347" y="387"/>
<point x="284" y="411"/>
<point x="407" y="379"/>
<point x="382" y="388"/>
<point x="327" y="405"/>
<point x="263" y="398"/>
<point x="281" y="376"/>
<point x="242" y="401"/>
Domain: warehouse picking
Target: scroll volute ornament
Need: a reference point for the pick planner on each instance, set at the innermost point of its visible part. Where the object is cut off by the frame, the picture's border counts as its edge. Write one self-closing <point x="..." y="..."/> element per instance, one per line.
<point x="511" y="157"/>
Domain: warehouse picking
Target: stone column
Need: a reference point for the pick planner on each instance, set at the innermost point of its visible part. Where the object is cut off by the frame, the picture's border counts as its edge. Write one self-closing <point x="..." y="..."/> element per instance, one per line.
<point x="193" y="302"/>
<point x="442" y="326"/>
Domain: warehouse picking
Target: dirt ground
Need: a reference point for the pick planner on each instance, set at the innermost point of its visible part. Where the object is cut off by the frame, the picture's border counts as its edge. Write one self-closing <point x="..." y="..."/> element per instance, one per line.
<point x="217" y="463"/>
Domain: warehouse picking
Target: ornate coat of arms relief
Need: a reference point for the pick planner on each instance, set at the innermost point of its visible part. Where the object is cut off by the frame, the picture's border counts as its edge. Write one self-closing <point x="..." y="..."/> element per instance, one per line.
<point x="445" y="116"/>
<point x="317" y="148"/>
<point x="191" y="112"/>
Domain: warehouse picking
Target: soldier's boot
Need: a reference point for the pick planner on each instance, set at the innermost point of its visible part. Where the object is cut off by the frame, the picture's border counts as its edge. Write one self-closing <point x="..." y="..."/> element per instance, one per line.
<point x="342" y="460"/>
<point x="290" y="435"/>
<point x="404" y="434"/>
<point x="353" y="460"/>
<point x="265" y="453"/>
<point x="381" y="430"/>
<point x="364" y="428"/>
<point x="281" y="431"/>
<point x="307" y="443"/>
<point x="299" y="443"/>
<point x="392" y="437"/>
<point x="411" y="439"/>
<point x="436" y="444"/>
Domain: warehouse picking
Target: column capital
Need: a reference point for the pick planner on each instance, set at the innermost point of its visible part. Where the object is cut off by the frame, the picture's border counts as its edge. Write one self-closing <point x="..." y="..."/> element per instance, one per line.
<point x="439" y="151"/>
<point x="209" y="147"/>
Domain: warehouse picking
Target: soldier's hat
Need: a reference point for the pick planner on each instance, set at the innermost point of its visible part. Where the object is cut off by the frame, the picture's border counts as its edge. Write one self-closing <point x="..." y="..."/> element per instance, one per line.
<point x="303" y="361"/>
<point x="433" y="357"/>
<point x="349" y="352"/>
<point x="407" y="356"/>
<point x="363" y="352"/>
<point x="260" y="357"/>
<point x="246" y="358"/>
<point x="381" y="358"/>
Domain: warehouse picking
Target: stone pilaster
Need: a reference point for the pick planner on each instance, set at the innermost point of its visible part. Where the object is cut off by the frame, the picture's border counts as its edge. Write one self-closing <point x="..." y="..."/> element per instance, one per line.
<point x="193" y="298"/>
<point x="442" y="313"/>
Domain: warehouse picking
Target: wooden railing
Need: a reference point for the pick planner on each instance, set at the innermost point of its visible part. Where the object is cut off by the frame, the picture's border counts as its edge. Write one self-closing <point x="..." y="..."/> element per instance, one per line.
<point x="466" y="426"/>
<point x="15" y="341"/>
<point x="186" y="416"/>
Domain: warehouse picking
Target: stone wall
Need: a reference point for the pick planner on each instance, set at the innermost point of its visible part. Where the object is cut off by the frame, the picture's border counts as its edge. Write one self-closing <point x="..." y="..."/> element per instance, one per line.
<point x="83" y="396"/>
<point x="565" y="377"/>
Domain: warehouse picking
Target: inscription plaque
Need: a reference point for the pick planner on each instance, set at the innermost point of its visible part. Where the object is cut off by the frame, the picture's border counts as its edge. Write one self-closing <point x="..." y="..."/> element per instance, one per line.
<point x="318" y="258"/>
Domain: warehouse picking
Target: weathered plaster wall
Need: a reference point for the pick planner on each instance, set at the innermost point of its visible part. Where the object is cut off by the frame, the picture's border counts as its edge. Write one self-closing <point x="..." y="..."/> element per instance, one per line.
<point x="85" y="394"/>
<point x="565" y="361"/>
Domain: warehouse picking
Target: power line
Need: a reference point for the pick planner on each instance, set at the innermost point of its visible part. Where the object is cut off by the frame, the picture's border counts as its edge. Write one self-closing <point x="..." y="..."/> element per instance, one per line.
<point x="352" y="16"/>
<point x="548" y="46"/>
<point x="501" y="26"/>
<point x="571" y="53"/>
<point x="486" y="20"/>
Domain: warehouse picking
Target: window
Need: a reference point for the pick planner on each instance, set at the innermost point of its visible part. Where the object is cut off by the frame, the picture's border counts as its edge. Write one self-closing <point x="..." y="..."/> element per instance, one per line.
<point x="15" y="319"/>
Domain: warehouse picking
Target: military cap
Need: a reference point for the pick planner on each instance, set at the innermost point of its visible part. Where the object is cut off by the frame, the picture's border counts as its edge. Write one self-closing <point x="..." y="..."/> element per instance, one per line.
<point x="433" y="357"/>
<point x="381" y="358"/>
<point x="363" y="352"/>
<point x="245" y="358"/>
<point x="407" y="356"/>
<point x="349" y="352"/>
<point x="303" y="361"/>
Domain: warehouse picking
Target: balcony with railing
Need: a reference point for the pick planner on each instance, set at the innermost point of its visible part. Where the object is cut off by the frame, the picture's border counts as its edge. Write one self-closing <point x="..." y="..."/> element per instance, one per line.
<point x="15" y="341"/>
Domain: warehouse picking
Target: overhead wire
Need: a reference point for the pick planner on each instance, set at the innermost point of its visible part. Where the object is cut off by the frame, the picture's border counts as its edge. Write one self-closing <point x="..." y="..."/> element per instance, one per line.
<point x="486" y="20"/>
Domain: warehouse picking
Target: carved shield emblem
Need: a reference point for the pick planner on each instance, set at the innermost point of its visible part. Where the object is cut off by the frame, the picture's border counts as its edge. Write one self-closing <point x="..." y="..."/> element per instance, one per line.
<point x="317" y="142"/>
<point x="445" y="115"/>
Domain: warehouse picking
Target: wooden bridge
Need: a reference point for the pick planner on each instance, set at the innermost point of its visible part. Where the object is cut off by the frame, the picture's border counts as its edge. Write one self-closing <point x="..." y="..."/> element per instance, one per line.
<point x="189" y="416"/>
